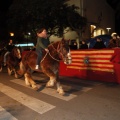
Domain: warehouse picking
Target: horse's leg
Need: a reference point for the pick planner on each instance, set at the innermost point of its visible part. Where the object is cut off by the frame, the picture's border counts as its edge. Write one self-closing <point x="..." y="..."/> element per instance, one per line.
<point x="29" y="81"/>
<point x="51" y="82"/>
<point x="9" y="71"/>
<point x="0" y="68"/>
<point x="52" y="76"/>
<point x="16" y="75"/>
<point x="54" y="79"/>
<point x="59" y="87"/>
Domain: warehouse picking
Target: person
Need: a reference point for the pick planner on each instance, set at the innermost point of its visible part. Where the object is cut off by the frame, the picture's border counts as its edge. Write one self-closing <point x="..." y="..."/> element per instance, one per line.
<point x="83" y="45"/>
<point x="9" y="48"/>
<point x="73" y="45"/>
<point x="114" y="42"/>
<point x="118" y="37"/>
<point x="42" y="44"/>
<point x="99" y="44"/>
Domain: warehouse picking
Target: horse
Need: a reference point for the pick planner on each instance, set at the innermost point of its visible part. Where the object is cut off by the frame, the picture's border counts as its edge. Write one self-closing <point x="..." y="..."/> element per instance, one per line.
<point x="12" y="61"/>
<point x="2" y="53"/>
<point x="49" y="64"/>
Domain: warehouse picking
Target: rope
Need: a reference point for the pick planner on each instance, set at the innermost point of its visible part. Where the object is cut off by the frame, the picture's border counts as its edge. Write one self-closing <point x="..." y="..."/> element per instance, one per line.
<point x="44" y="57"/>
<point x="50" y="56"/>
<point x="53" y="57"/>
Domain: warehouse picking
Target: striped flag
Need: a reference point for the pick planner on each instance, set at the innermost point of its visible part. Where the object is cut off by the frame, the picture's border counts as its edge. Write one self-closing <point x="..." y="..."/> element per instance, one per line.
<point x="100" y="65"/>
<point x="95" y="60"/>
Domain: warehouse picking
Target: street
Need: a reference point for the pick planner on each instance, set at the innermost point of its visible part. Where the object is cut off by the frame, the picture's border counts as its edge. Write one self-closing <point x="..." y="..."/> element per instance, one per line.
<point x="84" y="99"/>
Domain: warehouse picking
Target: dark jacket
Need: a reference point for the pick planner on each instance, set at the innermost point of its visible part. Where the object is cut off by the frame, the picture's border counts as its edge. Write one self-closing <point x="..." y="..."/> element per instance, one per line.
<point x="84" y="46"/>
<point x="10" y="47"/>
<point x="113" y="43"/>
<point x="99" y="45"/>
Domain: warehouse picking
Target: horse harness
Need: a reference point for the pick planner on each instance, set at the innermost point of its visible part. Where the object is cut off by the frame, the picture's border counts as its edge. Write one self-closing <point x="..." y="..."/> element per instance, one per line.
<point x="59" y="48"/>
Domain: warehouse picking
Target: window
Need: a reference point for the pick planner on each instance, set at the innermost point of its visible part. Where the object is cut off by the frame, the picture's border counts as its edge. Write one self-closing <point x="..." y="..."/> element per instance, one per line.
<point x="92" y="30"/>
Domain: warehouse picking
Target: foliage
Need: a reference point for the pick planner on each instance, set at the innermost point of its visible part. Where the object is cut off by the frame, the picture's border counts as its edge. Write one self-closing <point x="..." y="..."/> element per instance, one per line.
<point x="55" y="15"/>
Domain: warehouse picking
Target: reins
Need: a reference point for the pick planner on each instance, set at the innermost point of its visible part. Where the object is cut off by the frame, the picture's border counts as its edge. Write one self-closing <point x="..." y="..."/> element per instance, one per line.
<point x="53" y="57"/>
<point x="50" y="54"/>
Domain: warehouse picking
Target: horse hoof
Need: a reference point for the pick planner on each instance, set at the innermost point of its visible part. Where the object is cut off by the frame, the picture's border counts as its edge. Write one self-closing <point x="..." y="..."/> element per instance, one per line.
<point x="49" y="84"/>
<point x="36" y="87"/>
<point x="9" y="74"/>
<point x="16" y="76"/>
<point x="28" y="84"/>
<point x="60" y="91"/>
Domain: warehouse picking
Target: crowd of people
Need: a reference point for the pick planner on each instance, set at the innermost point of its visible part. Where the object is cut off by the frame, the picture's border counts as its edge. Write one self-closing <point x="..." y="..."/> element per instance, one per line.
<point x="114" y="42"/>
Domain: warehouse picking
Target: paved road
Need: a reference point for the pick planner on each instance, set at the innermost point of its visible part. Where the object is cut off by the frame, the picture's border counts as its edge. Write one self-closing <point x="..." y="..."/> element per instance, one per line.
<point x="84" y="100"/>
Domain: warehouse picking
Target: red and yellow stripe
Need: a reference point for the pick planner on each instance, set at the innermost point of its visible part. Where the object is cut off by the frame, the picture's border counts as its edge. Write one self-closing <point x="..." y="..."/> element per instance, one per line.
<point x="98" y="60"/>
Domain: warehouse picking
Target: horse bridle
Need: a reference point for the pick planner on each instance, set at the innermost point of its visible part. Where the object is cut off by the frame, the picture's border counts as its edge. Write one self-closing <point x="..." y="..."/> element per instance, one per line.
<point x="59" y="49"/>
<point x="58" y="52"/>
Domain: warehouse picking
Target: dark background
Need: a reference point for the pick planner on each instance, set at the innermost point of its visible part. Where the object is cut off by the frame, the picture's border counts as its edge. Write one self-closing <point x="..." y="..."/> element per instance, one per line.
<point x="115" y="4"/>
<point x="4" y="5"/>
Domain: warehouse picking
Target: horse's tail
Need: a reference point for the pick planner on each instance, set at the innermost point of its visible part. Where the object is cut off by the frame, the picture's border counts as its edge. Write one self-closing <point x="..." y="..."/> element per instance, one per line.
<point x="22" y="69"/>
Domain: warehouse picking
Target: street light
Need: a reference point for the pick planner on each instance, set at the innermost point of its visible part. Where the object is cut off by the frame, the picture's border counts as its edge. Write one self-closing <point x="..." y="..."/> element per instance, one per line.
<point x="29" y="33"/>
<point x="11" y="34"/>
<point x="108" y="29"/>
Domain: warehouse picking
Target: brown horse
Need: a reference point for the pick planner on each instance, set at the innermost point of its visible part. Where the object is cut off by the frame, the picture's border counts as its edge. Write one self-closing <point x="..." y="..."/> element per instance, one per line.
<point x="49" y="64"/>
<point x="2" y="53"/>
<point x="12" y="61"/>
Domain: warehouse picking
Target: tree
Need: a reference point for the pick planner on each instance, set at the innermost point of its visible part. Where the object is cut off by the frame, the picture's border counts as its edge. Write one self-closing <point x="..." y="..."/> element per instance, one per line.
<point x="54" y="15"/>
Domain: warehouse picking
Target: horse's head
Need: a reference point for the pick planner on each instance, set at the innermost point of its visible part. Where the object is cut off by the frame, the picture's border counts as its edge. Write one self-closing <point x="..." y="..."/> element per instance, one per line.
<point x="16" y="52"/>
<point x="64" y="51"/>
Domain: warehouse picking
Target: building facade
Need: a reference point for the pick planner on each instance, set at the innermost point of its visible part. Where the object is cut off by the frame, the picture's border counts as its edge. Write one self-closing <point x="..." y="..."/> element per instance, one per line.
<point x="100" y="16"/>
